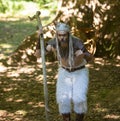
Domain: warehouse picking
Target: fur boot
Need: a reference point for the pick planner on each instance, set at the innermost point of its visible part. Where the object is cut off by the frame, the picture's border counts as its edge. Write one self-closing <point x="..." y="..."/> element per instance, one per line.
<point x="79" y="117"/>
<point x="66" y="116"/>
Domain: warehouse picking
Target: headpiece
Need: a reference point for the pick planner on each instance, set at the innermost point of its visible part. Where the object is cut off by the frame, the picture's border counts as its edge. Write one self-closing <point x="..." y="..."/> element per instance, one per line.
<point x="62" y="27"/>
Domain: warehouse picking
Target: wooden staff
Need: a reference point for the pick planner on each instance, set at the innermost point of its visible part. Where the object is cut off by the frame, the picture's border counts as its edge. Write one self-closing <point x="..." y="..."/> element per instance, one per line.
<point x="37" y="17"/>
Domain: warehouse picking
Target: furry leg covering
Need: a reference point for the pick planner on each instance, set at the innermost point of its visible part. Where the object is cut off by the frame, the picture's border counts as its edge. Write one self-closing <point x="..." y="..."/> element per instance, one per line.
<point x="72" y="87"/>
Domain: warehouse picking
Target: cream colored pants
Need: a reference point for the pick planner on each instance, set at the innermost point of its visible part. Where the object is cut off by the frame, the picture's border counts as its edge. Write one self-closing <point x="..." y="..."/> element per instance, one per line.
<point x="71" y="88"/>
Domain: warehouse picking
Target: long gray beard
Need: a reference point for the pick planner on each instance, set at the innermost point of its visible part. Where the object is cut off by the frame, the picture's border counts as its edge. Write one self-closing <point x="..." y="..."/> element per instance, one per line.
<point x="69" y="54"/>
<point x="64" y="49"/>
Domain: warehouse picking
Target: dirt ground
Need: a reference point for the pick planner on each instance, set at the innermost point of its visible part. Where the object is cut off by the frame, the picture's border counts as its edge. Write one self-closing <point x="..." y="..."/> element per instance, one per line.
<point x="22" y="95"/>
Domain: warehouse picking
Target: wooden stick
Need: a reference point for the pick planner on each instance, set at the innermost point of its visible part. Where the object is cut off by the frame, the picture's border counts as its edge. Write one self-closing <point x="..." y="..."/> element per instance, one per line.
<point x="37" y="17"/>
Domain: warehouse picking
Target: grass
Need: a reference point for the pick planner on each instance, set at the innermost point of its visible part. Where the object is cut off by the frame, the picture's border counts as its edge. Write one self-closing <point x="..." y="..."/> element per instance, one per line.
<point x="12" y="33"/>
<point x="15" y="26"/>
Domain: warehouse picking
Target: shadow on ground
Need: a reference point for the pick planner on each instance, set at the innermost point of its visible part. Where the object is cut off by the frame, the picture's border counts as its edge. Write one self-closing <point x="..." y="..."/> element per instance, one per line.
<point x="22" y="96"/>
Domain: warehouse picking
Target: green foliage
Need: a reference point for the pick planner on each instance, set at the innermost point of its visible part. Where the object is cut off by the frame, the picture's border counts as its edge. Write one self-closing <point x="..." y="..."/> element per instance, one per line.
<point x="10" y="6"/>
<point x="47" y="4"/>
<point x="15" y="7"/>
<point x="3" y="6"/>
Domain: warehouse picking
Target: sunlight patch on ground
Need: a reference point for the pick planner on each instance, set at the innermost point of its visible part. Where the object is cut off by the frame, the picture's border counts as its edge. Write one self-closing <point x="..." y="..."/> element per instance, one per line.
<point x="99" y="109"/>
<point x="4" y="48"/>
<point x="16" y="116"/>
<point x="100" y="61"/>
<point x="19" y="100"/>
<point x="21" y="112"/>
<point x="5" y="45"/>
<point x="3" y="113"/>
<point x="7" y="89"/>
<point x="13" y="74"/>
<point x="111" y="116"/>
<point x="3" y="68"/>
<point x="9" y="99"/>
<point x="27" y="70"/>
<point x="16" y="73"/>
<point x="39" y="104"/>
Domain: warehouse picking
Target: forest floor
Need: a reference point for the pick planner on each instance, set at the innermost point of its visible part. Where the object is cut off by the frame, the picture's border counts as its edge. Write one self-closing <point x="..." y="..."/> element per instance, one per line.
<point x="22" y="95"/>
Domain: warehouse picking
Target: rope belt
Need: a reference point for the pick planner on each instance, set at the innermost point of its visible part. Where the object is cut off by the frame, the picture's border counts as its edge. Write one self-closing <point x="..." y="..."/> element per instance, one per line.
<point x="73" y="69"/>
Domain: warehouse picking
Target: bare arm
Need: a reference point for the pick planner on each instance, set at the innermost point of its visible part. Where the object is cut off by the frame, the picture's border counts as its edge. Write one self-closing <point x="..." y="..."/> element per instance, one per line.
<point x="48" y="48"/>
<point x="82" y="50"/>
